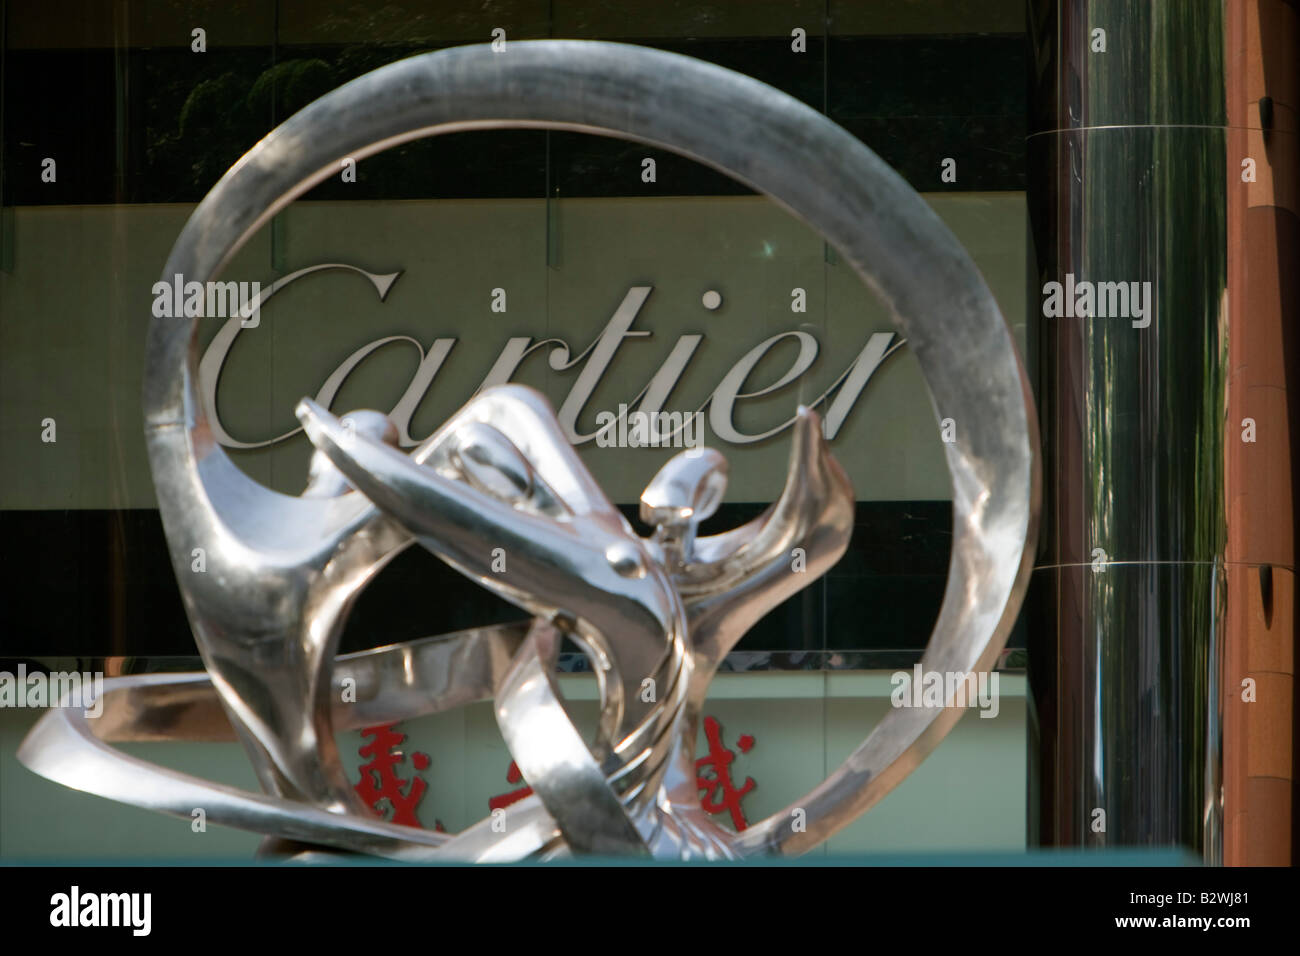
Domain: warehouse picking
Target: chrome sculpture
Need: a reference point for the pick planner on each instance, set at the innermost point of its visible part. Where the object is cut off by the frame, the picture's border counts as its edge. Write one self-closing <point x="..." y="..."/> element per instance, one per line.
<point x="658" y="613"/>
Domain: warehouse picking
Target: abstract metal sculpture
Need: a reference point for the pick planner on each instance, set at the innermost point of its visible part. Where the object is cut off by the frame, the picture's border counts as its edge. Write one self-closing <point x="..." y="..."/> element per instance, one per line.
<point x="282" y="572"/>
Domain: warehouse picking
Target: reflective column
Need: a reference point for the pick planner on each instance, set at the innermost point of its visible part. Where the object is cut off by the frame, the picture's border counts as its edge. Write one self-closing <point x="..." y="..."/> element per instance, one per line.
<point x="1128" y="198"/>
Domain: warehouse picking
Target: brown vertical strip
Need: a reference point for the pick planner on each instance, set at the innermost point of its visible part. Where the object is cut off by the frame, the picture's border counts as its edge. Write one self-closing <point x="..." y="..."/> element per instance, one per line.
<point x="1259" y="644"/>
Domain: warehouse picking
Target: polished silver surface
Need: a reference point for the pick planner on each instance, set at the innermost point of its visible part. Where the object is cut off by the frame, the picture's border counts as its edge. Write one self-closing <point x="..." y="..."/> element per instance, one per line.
<point x="1130" y="174"/>
<point x="392" y="683"/>
<point x="499" y="494"/>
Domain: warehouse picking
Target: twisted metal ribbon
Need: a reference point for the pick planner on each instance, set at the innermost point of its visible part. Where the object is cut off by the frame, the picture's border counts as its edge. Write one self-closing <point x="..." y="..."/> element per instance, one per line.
<point x="283" y="571"/>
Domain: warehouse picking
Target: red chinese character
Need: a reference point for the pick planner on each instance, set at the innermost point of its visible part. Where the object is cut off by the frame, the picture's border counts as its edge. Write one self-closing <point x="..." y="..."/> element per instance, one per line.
<point x="514" y="796"/>
<point x="379" y="780"/>
<point x="718" y="761"/>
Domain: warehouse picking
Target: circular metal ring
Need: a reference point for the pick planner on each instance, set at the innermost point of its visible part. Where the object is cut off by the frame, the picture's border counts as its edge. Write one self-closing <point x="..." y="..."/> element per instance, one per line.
<point x="767" y="140"/>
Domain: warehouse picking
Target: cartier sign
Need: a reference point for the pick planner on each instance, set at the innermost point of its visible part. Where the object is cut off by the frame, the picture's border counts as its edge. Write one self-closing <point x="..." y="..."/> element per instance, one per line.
<point x="586" y="362"/>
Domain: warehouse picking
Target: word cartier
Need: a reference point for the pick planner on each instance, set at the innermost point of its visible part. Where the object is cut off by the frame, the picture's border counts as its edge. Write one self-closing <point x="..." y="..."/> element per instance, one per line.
<point x="589" y="365"/>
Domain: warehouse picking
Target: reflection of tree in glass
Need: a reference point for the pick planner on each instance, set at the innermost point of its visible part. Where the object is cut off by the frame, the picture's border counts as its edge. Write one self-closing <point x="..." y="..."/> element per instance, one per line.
<point x="201" y="119"/>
